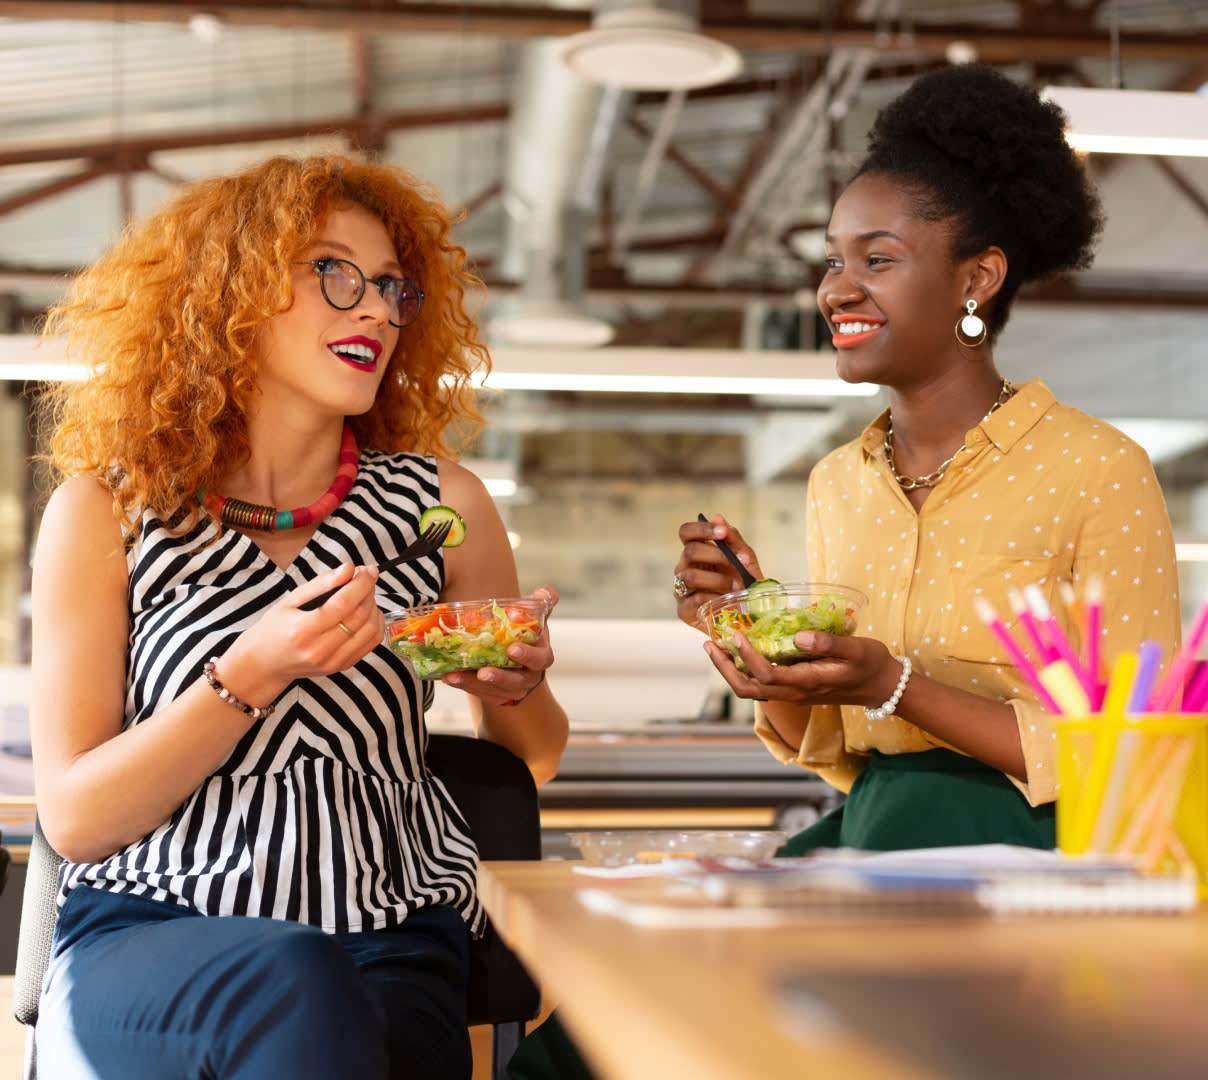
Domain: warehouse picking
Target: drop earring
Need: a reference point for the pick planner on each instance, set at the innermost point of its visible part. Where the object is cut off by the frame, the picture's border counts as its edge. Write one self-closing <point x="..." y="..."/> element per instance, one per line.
<point x="971" y="326"/>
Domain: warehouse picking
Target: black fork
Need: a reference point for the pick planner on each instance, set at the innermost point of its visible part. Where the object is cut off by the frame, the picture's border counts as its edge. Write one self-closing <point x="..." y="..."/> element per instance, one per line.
<point x="429" y="540"/>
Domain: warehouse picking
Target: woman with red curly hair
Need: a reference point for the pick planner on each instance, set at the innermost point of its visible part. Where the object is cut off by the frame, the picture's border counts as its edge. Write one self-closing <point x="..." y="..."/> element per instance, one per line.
<point x="205" y="742"/>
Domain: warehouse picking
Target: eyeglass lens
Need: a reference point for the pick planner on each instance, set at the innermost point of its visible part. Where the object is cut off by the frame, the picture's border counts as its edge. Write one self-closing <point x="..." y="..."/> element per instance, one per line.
<point x="344" y="285"/>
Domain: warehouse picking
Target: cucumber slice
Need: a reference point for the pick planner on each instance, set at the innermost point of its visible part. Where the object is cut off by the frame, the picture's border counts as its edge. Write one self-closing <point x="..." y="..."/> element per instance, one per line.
<point x="436" y="514"/>
<point x="758" y="604"/>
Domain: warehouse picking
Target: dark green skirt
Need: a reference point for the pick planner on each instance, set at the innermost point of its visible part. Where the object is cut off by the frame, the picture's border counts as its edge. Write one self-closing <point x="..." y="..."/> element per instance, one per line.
<point x="936" y="798"/>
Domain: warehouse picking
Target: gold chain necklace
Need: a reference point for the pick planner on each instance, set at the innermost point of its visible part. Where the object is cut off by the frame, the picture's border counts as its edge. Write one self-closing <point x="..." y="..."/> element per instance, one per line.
<point x="910" y="483"/>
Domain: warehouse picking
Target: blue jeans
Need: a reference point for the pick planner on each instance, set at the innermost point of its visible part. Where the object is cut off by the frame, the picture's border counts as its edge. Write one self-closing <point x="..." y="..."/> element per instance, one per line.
<point x="138" y="988"/>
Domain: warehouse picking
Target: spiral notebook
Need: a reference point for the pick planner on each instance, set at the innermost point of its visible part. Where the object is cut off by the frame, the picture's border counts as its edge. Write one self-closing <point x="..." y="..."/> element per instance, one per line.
<point x="975" y="881"/>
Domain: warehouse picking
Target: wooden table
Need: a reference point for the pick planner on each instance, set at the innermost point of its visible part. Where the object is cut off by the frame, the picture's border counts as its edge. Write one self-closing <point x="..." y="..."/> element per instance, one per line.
<point x="1031" y="996"/>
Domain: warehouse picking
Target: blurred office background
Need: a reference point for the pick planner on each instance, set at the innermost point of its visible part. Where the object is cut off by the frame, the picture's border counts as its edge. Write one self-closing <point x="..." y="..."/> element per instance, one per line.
<point x="677" y="209"/>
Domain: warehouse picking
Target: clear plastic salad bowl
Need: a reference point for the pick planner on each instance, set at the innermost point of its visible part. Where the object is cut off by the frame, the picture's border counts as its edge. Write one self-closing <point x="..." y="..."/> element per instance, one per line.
<point x="771" y="614"/>
<point x="464" y="634"/>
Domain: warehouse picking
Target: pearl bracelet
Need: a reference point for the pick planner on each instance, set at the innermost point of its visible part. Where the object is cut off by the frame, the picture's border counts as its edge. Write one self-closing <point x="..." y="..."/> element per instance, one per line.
<point x="888" y="708"/>
<point x="254" y="711"/>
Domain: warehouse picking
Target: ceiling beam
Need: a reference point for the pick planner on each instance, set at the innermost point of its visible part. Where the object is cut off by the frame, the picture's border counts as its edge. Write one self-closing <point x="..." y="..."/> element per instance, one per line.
<point x="127" y="150"/>
<point x="994" y="44"/>
<point x="1181" y="181"/>
<point x="712" y="297"/>
<point x="54" y="187"/>
<point x="721" y="194"/>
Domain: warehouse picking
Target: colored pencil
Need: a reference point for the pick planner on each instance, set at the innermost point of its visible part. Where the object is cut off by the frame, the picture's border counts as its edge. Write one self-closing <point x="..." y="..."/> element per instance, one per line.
<point x="1064" y="685"/>
<point x="987" y="614"/>
<point x="1019" y="608"/>
<point x="1196" y="698"/>
<point x="1091" y="639"/>
<point x="1149" y="660"/>
<point x="1043" y="614"/>
<point x="1170" y="690"/>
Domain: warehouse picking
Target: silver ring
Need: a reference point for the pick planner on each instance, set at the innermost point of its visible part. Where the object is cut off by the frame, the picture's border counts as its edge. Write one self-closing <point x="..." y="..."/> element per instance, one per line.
<point x="680" y="587"/>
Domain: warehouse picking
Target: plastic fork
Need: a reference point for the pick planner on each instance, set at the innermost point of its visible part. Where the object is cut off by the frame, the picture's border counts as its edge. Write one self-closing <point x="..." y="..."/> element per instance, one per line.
<point x="428" y="541"/>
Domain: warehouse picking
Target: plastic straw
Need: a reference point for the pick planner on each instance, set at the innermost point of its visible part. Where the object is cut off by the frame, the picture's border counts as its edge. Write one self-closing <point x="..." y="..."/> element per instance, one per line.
<point x="1019" y="658"/>
<point x="1170" y="689"/>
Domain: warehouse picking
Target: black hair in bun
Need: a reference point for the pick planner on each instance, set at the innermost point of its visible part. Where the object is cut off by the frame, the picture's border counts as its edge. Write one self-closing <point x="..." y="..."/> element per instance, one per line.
<point x="989" y="156"/>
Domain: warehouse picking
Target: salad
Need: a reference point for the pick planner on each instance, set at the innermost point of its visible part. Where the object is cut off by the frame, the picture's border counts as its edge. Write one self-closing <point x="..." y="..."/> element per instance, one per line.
<point x="459" y="636"/>
<point x="770" y="625"/>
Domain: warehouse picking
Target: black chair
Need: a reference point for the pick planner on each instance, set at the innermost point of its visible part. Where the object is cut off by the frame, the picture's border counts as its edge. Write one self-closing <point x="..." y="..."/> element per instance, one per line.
<point x="498" y="797"/>
<point x="495" y="792"/>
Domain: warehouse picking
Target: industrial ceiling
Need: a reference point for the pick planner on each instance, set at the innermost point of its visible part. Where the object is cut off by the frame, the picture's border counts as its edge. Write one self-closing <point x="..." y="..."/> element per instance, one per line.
<point x="688" y="219"/>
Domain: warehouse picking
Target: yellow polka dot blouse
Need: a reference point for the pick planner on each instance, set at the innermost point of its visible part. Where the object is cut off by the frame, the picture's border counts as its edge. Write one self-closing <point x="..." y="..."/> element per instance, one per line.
<point x="1042" y="493"/>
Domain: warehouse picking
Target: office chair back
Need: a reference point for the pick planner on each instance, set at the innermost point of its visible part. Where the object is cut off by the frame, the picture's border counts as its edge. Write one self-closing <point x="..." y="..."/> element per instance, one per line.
<point x="495" y="792"/>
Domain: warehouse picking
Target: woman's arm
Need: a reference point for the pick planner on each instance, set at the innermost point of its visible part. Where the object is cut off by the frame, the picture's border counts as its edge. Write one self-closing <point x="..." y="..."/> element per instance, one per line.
<point x="99" y="786"/>
<point x="861" y="671"/>
<point x="536" y="728"/>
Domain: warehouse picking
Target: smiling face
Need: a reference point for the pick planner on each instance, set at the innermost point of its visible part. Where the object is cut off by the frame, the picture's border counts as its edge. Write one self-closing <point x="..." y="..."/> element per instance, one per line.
<point x="322" y="358"/>
<point x="892" y="291"/>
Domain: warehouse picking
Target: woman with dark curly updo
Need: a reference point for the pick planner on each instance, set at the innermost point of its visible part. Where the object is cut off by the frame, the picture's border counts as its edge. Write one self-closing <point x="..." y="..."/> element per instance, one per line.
<point x="262" y="877"/>
<point x="965" y="489"/>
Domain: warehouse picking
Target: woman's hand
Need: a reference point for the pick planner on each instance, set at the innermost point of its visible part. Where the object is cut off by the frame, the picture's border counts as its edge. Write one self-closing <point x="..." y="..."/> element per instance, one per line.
<point x="287" y="643"/>
<point x="703" y="569"/>
<point x="850" y="671"/>
<point x="509" y="686"/>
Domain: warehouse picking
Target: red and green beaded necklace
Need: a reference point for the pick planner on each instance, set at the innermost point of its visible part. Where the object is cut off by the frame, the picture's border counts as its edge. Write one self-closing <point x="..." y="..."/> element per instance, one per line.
<point x="246" y="515"/>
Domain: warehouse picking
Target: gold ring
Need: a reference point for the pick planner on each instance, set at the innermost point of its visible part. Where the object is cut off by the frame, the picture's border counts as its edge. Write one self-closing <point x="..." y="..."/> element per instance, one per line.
<point x="341" y="625"/>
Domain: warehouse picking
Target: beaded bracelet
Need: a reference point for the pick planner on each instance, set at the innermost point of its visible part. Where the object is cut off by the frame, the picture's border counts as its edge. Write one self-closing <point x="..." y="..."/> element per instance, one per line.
<point x="517" y="701"/>
<point x="254" y="711"/>
<point x="888" y="708"/>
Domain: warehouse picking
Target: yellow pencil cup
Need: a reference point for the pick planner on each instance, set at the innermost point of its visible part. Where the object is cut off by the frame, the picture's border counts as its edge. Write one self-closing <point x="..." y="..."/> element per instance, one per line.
<point x="1136" y="789"/>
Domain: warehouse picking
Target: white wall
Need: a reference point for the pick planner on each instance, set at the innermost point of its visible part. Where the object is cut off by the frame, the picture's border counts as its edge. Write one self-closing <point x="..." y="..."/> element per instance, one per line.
<point x="613" y="673"/>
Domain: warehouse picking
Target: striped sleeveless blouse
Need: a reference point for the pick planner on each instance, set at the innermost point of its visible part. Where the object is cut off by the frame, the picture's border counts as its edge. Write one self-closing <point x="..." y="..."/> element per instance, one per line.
<point x="324" y="813"/>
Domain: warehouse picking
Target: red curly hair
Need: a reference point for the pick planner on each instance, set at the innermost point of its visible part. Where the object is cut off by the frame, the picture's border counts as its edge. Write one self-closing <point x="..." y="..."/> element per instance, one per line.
<point x="167" y="320"/>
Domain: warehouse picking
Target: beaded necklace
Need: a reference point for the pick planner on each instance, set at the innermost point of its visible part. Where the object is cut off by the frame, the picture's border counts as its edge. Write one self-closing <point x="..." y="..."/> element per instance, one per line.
<point x="246" y="515"/>
<point x="909" y="483"/>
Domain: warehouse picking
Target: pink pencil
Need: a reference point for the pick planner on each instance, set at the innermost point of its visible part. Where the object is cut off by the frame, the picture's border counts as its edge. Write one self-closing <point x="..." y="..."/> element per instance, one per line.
<point x="987" y="614"/>
<point x="1197" y="693"/>
<point x="1094" y="629"/>
<point x="1170" y="689"/>
<point x="1052" y="630"/>
<point x="1045" y="654"/>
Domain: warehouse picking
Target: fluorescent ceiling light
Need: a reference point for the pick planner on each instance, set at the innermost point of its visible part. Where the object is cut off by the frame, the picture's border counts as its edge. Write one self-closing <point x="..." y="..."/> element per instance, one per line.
<point x="1163" y="440"/>
<point x="766" y="373"/>
<point x="775" y="373"/>
<point x="603" y="383"/>
<point x="1191" y="552"/>
<point x="498" y="475"/>
<point x="28" y="357"/>
<point x="1164" y="123"/>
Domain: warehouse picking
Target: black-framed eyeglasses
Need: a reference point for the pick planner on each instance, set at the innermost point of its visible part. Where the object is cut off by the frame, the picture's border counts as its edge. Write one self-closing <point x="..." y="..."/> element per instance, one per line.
<point x="343" y="285"/>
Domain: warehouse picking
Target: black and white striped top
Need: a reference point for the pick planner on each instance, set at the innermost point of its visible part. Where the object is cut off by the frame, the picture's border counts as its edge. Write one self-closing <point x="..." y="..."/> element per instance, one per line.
<point x="324" y="813"/>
